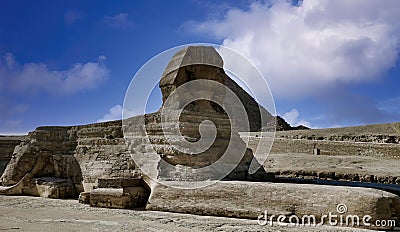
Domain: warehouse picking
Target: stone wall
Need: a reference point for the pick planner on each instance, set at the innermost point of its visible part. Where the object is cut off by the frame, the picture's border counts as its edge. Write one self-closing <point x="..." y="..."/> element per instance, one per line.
<point x="341" y="154"/>
<point x="102" y="153"/>
<point x="336" y="148"/>
<point x="379" y="140"/>
<point x="7" y="145"/>
<point x="375" y="133"/>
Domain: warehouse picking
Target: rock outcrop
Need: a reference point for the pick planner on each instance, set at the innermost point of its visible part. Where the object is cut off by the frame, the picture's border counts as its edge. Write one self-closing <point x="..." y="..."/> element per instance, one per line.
<point x="120" y="193"/>
<point x="7" y="145"/>
<point x="61" y="162"/>
<point x="44" y="165"/>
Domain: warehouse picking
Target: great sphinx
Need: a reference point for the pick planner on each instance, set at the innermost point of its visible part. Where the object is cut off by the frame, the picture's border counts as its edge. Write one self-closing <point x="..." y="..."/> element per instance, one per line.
<point x="194" y="135"/>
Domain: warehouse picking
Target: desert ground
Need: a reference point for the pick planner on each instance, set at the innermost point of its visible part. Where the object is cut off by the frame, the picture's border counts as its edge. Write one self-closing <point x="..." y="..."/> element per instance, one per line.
<point x="23" y="213"/>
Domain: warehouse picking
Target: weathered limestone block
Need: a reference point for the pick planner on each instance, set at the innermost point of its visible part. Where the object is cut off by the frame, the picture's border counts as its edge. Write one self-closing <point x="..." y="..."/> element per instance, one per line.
<point x="84" y="198"/>
<point x="118" y="198"/>
<point x="48" y="153"/>
<point x="119" y="182"/>
<point x="109" y="198"/>
<point x="7" y="145"/>
<point x="250" y="199"/>
<point x="102" y="153"/>
<point x="121" y="193"/>
<point x="51" y="187"/>
<point x="82" y="154"/>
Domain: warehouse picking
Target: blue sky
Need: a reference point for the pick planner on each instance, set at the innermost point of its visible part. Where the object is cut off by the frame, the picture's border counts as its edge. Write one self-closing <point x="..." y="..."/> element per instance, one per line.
<point x="328" y="63"/>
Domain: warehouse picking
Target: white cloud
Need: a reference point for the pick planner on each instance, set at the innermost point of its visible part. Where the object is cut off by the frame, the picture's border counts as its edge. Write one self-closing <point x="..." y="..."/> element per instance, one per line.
<point x="115" y="113"/>
<point x="292" y="117"/>
<point x="303" y="50"/>
<point x="33" y="77"/>
<point x="120" y="21"/>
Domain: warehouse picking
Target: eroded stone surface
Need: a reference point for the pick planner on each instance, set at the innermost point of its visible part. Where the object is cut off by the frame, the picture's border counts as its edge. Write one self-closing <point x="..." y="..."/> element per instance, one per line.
<point x="47" y="154"/>
<point x="81" y="154"/>
<point x="119" y="198"/>
<point x="7" y="145"/>
<point x="118" y="193"/>
<point x="51" y="187"/>
<point x="102" y="153"/>
<point x="249" y="200"/>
